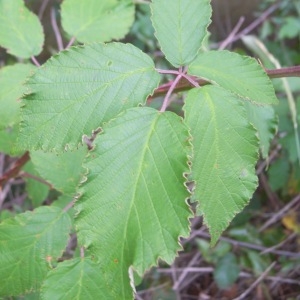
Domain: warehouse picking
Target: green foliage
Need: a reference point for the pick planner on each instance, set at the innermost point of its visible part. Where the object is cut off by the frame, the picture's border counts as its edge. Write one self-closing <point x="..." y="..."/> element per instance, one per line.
<point x="222" y="134"/>
<point x="97" y="21"/>
<point x="175" y="22"/>
<point x="221" y="67"/>
<point x="12" y="79"/>
<point x="77" y="278"/>
<point x="81" y="88"/>
<point x="29" y="243"/>
<point x="20" y="30"/>
<point x="125" y="166"/>
<point x="145" y="152"/>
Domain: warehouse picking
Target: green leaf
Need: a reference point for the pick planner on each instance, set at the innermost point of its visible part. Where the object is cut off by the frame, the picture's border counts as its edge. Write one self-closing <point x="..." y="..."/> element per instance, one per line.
<point x="79" y="89"/>
<point x="132" y="210"/>
<point x="180" y="27"/>
<point x="97" y="21"/>
<point x="29" y="243"/>
<point x="78" y="279"/>
<point x="21" y="32"/>
<point x="8" y="138"/>
<point x="227" y="271"/>
<point x="12" y="89"/>
<point x="225" y="153"/>
<point x="265" y="121"/>
<point x="36" y="190"/>
<point x="63" y="170"/>
<point x="241" y="75"/>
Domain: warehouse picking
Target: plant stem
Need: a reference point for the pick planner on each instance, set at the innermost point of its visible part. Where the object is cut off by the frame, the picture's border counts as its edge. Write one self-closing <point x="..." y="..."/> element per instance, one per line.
<point x="56" y="30"/>
<point x="71" y="42"/>
<point x="186" y="85"/>
<point x="171" y="89"/>
<point x="34" y="60"/>
<point x="14" y="171"/>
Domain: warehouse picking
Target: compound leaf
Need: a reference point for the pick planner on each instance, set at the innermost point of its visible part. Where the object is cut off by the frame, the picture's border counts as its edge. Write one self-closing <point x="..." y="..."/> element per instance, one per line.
<point x="21" y="32"/>
<point x="79" y="89"/>
<point x="29" y="243"/>
<point x="225" y="153"/>
<point x="12" y="88"/>
<point x="180" y="27"/>
<point x="239" y="74"/>
<point x="79" y="278"/>
<point x="97" y="21"/>
<point x="265" y="121"/>
<point x="132" y="210"/>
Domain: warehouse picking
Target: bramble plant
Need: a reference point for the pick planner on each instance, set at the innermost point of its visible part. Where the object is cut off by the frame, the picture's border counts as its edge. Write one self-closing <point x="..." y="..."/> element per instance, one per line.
<point x="125" y="171"/>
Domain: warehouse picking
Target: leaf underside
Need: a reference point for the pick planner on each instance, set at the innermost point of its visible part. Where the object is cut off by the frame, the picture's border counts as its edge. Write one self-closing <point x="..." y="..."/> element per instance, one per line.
<point x="241" y="75"/>
<point x="225" y="153"/>
<point x="180" y="27"/>
<point x="79" y="89"/>
<point x="21" y="32"/>
<point x="132" y="210"/>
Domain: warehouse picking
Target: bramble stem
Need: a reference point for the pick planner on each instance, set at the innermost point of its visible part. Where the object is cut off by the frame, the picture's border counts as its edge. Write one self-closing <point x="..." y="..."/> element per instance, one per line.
<point x="171" y="89"/>
<point x="56" y="30"/>
<point x="186" y="84"/>
<point x="34" y="60"/>
<point x="71" y="42"/>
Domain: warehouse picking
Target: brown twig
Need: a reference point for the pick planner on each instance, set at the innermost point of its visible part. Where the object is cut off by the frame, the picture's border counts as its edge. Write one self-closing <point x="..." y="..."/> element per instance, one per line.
<point x="280" y="213"/>
<point x="249" y="245"/>
<point x="36" y="178"/>
<point x="184" y="84"/>
<point x="232" y="34"/>
<point x="257" y="22"/>
<point x="256" y="282"/>
<point x="15" y="170"/>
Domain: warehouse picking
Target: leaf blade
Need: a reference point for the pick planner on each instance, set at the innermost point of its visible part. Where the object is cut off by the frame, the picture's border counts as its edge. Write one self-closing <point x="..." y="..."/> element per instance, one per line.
<point x="79" y="279"/>
<point x="238" y="74"/>
<point x="12" y="79"/>
<point x="81" y="88"/>
<point x="97" y="21"/>
<point x="20" y="30"/>
<point x="265" y="121"/>
<point x="63" y="170"/>
<point x="174" y="21"/>
<point x="225" y="153"/>
<point x="40" y="237"/>
<point x="145" y="152"/>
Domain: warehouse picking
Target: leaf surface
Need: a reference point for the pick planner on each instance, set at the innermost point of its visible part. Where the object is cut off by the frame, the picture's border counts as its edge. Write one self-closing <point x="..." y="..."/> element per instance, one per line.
<point x="79" y="278"/>
<point x="265" y="121"/>
<point x="180" y="27"/>
<point x="21" y="32"/>
<point x="79" y="89"/>
<point x="225" y="154"/>
<point x="239" y="74"/>
<point x="132" y="209"/>
<point x="36" y="190"/>
<point x="63" y="170"/>
<point x="92" y="21"/>
<point x="8" y="138"/>
<point x="12" y="79"/>
<point x="29" y="243"/>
